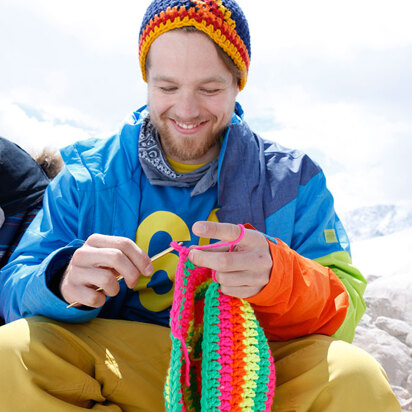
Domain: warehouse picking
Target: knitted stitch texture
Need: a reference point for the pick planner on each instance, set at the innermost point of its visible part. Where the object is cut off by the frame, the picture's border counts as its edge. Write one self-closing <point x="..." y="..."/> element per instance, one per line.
<point x="222" y="20"/>
<point x="220" y="358"/>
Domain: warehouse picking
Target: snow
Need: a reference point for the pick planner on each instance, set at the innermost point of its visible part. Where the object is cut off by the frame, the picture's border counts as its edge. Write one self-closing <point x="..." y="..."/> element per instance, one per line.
<point x="379" y="220"/>
<point x="381" y="245"/>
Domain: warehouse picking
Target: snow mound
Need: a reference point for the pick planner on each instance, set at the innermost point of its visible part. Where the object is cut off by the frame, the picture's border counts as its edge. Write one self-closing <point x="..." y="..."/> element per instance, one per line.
<point x="385" y="331"/>
<point x="375" y="221"/>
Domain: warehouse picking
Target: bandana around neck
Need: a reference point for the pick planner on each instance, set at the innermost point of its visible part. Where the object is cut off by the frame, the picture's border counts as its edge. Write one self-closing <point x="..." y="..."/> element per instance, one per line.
<point x="158" y="170"/>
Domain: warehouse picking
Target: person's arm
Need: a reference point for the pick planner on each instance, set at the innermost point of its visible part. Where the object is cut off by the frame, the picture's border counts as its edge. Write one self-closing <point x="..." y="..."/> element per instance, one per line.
<point x="52" y="268"/>
<point x="292" y="296"/>
<point x="305" y="288"/>
<point x="317" y="252"/>
<point x="302" y="297"/>
<point x="44" y="250"/>
<point x="340" y="263"/>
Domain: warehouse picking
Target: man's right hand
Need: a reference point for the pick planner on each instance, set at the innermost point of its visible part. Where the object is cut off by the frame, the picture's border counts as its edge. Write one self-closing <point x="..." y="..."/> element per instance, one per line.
<point x="97" y="264"/>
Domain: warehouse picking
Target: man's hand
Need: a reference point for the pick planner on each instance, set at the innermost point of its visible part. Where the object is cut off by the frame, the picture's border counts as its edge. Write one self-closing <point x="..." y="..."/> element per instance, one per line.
<point x="97" y="264"/>
<point x="245" y="271"/>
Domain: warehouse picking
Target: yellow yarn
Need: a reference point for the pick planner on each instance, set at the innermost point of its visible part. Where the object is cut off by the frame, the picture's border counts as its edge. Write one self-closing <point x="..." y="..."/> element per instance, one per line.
<point x="251" y="359"/>
<point x="216" y="35"/>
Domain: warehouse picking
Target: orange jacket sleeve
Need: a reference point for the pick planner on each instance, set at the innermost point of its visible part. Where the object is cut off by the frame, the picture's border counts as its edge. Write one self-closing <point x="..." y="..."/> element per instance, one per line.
<point x="301" y="298"/>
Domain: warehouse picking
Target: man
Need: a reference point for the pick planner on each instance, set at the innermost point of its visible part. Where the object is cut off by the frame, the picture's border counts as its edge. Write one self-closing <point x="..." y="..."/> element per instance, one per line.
<point x="186" y="161"/>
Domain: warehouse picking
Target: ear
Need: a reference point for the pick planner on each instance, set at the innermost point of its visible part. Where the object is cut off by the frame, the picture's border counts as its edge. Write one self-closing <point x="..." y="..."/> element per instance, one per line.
<point x="237" y="89"/>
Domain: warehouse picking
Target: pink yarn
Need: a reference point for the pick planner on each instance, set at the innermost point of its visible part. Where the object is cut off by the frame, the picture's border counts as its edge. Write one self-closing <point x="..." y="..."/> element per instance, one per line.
<point x="176" y="324"/>
<point x="225" y="351"/>
<point x="230" y="244"/>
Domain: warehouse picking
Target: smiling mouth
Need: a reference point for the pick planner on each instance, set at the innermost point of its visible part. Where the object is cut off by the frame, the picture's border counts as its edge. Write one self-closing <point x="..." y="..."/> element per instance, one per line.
<point x="188" y="125"/>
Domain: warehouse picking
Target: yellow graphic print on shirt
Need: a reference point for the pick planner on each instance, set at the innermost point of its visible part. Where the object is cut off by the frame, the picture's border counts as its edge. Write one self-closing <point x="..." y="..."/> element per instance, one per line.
<point x="162" y="221"/>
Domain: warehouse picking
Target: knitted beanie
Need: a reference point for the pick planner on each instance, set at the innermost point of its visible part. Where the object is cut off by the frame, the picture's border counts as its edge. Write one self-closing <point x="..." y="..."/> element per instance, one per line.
<point x="220" y="359"/>
<point x="222" y="20"/>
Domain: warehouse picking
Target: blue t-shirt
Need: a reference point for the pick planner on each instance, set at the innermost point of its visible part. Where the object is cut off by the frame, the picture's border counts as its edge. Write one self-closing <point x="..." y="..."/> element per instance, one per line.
<point x="166" y="213"/>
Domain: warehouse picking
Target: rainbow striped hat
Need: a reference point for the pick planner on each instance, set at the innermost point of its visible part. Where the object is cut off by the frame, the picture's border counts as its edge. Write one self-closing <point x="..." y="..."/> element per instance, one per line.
<point x="222" y="20"/>
<point x="220" y="359"/>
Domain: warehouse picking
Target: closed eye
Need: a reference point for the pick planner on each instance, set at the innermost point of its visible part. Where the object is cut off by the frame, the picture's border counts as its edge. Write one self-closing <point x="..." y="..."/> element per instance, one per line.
<point x="168" y="89"/>
<point x="210" y="91"/>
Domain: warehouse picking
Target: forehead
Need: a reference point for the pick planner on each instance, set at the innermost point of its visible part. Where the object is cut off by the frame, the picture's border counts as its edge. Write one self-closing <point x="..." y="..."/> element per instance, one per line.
<point x="188" y="54"/>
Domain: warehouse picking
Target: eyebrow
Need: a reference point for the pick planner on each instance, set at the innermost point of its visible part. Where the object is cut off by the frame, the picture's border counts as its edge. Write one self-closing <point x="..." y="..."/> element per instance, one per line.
<point x="213" y="79"/>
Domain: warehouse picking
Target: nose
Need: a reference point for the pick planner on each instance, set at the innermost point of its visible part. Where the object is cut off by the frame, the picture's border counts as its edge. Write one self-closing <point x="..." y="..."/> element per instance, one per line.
<point x="187" y="107"/>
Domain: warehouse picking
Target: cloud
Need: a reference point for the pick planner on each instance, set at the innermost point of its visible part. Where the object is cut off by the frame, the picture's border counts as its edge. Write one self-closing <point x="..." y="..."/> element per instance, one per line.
<point x="34" y="128"/>
<point x="105" y="26"/>
<point x="320" y="27"/>
<point x="365" y="155"/>
<point x="323" y="27"/>
<point x="47" y="67"/>
<point x="348" y="131"/>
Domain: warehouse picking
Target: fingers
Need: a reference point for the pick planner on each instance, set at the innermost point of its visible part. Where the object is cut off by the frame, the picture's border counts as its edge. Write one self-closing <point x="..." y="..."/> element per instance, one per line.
<point x="129" y="248"/>
<point x="245" y="271"/>
<point x="89" y="257"/>
<point x="97" y="264"/>
<point x="88" y="297"/>
<point x="227" y="232"/>
<point x="231" y="262"/>
<point x="242" y="292"/>
<point x="82" y="286"/>
<point x="241" y="279"/>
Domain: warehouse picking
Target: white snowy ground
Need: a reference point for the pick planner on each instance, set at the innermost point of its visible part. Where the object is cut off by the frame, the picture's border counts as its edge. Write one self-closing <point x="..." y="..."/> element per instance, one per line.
<point x="381" y="248"/>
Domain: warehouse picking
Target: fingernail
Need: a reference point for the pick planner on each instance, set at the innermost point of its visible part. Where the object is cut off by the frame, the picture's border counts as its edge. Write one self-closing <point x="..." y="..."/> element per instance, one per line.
<point x="190" y="255"/>
<point x="200" y="228"/>
<point x="148" y="271"/>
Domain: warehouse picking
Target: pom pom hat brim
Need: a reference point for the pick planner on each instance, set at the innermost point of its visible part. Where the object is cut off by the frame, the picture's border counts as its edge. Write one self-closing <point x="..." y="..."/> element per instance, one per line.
<point x="222" y="20"/>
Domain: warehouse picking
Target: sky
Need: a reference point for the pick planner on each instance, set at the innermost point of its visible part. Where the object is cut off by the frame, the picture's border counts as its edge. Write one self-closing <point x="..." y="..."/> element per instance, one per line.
<point x="330" y="78"/>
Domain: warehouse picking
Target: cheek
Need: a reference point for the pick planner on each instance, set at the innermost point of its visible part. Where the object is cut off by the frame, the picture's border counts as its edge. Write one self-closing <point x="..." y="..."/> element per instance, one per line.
<point x="224" y="108"/>
<point x="157" y="104"/>
<point x="156" y="111"/>
<point x="221" y="106"/>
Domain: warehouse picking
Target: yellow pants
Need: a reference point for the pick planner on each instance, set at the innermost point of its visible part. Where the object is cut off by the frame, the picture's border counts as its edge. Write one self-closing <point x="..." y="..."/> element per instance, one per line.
<point x="112" y="365"/>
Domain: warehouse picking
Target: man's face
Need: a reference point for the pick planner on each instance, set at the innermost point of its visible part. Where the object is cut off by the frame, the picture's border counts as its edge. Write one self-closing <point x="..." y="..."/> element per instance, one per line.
<point x="191" y="95"/>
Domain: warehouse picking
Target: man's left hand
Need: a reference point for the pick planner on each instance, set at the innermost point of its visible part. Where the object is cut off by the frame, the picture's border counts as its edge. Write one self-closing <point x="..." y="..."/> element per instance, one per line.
<point x="245" y="271"/>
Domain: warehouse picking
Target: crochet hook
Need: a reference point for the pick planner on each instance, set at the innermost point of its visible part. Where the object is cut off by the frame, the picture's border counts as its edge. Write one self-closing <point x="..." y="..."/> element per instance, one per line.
<point x="120" y="277"/>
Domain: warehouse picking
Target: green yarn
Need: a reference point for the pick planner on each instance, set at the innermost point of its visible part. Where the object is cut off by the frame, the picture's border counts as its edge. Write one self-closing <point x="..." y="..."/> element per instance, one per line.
<point x="173" y="385"/>
<point x="263" y="372"/>
<point x="210" y="368"/>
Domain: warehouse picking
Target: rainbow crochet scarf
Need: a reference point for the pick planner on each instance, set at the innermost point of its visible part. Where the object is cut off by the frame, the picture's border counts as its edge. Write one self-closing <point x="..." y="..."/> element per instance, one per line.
<point x="220" y="359"/>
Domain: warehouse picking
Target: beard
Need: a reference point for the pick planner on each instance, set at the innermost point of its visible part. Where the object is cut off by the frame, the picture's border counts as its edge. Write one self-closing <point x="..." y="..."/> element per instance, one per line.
<point x="186" y="148"/>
